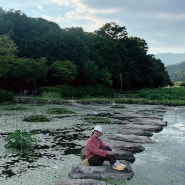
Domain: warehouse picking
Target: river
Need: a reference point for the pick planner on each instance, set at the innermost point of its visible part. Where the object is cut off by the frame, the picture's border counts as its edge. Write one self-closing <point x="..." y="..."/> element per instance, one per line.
<point x="162" y="163"/>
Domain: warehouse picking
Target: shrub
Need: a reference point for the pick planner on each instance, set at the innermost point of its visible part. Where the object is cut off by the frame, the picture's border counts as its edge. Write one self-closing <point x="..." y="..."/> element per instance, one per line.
<point x="6" y="96"/>
<point x="53" y="95"/>
<point x="19" y="140"/>
<point x="93" y="91"/>
<point x="36" y="118"/>
<point x="65" y="91"/>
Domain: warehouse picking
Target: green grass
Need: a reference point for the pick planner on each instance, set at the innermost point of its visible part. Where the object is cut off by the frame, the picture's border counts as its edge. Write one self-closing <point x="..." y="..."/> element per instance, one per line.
<point x="173" y="96"/>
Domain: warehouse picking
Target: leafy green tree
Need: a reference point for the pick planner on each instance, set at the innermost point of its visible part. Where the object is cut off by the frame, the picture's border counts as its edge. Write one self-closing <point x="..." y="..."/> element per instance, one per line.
<point x="29" y="70"/>
<point x="8" y="51"/>
<point x="99" y="57"/>
<point x="89" y="73"/>
<point x="64" y="72"/>
<point x="113" y="31"/>
<point x="105" y="77"/>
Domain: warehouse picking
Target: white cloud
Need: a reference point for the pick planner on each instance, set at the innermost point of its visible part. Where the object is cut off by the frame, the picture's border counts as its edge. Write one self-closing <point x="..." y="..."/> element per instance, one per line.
<point x="40" y="7"/>
<point x="62" y="2"/>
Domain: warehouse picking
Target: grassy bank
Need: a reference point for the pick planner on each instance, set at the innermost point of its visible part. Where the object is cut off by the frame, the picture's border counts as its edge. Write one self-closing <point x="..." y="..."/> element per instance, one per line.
<point x="163" y="96"/>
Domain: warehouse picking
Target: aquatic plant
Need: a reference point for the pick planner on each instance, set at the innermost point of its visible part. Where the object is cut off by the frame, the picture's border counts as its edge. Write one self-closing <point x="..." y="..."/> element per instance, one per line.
<point x="37" y="118"/>
<point x="20" y="140"/>
<point x="15" y="108"/>
<point x="97" y="119"/>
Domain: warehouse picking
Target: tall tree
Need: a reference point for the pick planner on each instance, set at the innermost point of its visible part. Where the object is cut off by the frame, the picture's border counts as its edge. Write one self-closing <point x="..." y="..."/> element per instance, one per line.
<point x="8" y="51"/>
<point x="29" y="70"/>
<point x="63" y="72"/>
<point x="113" y="31"/>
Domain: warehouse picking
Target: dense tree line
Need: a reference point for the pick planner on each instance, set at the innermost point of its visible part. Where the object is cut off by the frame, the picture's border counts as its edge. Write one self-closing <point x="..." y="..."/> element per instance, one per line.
<point x="35" y="52"/>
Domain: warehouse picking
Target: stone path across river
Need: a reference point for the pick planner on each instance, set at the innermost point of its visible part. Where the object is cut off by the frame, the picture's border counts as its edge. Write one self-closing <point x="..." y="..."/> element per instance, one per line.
<point x="128" y="140"/>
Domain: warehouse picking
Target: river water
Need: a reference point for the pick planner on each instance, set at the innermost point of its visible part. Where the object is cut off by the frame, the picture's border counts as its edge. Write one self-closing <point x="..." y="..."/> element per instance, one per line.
<point x="162" y="163"/>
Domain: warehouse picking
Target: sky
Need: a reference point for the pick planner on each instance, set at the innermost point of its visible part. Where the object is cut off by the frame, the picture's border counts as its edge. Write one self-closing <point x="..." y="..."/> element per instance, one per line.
<point x="161" y="23"/>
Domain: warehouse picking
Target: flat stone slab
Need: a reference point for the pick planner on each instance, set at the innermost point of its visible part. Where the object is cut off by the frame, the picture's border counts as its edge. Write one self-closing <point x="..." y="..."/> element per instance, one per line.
<point x="82" y="182"/>
<point x="131" y="138"/>
<point x="148" y="121"/>
<point x="133" y="131"/>
<point x="149" y="128"/>
<point x="127" y="146"/>
<point x="104" y="171"/>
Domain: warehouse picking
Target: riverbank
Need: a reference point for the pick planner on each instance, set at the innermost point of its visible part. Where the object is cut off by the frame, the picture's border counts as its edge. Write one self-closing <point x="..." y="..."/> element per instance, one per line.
<point x="121" y="100"/>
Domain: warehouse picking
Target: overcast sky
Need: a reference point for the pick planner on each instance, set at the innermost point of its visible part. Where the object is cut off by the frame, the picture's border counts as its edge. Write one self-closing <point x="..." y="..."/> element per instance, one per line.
<point x="161" y="23"/>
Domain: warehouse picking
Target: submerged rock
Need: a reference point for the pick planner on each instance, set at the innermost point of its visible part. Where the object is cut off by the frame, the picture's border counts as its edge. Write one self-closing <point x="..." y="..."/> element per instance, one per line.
<point x="104" y="171"/>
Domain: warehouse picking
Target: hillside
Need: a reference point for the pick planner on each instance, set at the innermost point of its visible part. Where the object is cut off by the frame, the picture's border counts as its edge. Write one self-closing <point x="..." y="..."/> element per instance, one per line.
<point x="46" y="55"/>
<point x="178" y="76"/>
<point x="175" y="68"/>
<point x="176" y="71"/>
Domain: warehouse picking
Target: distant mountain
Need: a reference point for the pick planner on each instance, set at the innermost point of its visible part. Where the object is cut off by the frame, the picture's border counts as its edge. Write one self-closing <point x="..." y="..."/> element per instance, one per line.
<point x="170" y="58"/>
<point x="176" y="71"/>
<point x="175" y="68"/>
<point x="178" y="77"/>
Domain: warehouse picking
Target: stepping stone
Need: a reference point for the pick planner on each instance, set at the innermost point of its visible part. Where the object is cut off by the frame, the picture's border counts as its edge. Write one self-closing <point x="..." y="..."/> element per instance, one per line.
<point x="133" y="131"/>
<point x="149" y="128"/>
<point x="104" y="171"/>
<point x="148" y="121"/>
<point x="127" y="146"/>
<point x="131" y="138"/>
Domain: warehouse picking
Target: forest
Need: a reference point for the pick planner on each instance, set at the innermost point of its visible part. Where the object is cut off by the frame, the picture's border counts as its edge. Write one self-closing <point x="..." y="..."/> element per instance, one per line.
<point x="37" y="53"/>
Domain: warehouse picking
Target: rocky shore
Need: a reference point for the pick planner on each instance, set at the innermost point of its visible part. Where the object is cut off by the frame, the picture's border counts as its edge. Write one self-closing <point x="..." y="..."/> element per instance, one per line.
<point x="134" y="131"/>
